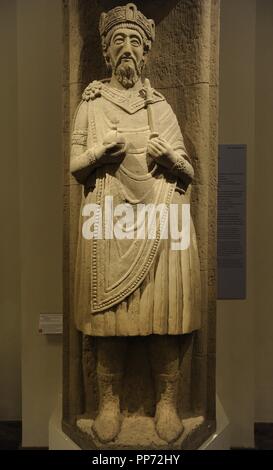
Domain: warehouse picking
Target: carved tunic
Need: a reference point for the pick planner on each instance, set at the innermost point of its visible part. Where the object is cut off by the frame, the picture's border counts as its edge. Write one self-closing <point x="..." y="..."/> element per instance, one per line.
<point x="133" y="287"/>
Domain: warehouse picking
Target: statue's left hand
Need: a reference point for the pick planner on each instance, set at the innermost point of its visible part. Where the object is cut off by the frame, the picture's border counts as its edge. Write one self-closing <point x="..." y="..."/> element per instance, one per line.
<point x="161" y="151"/>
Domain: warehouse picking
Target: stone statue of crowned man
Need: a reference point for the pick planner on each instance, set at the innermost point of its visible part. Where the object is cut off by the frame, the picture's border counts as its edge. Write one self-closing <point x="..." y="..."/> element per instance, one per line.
<point x="128" y="149"/>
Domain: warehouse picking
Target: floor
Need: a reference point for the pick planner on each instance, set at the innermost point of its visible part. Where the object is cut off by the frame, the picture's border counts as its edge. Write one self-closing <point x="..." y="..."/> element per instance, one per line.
<point x="263" y="436"/>
<point x="11" y="433"/>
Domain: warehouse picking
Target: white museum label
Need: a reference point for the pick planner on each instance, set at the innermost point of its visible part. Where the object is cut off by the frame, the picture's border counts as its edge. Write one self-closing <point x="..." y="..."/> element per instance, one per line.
<point x="51" y="323"/>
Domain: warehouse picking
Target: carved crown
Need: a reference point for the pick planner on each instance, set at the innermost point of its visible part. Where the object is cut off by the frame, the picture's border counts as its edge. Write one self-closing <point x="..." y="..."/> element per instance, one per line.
<point x="126" y="15"/>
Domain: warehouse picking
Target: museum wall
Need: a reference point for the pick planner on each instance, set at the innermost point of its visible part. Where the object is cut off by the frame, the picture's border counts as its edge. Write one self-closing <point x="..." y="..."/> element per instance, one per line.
<point x="10" y="379"/>
<point x="263" y="214"/>
<point x="244" y="332"/>
<point x="40" y="182"/>
<point x="32" y="190"/>
<point x="235" y="319"/>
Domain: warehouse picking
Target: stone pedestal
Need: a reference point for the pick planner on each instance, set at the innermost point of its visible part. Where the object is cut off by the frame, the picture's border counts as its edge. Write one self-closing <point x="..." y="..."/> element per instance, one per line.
<point x="219" y="440"/>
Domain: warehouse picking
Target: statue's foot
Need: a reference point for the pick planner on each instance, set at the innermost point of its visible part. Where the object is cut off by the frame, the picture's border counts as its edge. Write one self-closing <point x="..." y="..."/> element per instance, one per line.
<point x="168" y="425"/>
<point x="107" y="425"/>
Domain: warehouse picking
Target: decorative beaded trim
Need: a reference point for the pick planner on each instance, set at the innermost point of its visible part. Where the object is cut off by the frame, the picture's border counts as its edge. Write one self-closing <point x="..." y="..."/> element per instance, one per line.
<point x="96" y="89"/>
<point x="183" y="166"/>
<point x="79" y="137"/>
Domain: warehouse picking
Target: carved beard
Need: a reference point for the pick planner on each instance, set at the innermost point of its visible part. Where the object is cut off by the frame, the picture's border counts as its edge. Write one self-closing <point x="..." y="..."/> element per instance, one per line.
<point x="128" y="73"/>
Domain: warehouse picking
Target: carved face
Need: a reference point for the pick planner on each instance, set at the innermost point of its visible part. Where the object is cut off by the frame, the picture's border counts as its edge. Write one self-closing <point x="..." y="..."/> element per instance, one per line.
<point x="126" y="56"/>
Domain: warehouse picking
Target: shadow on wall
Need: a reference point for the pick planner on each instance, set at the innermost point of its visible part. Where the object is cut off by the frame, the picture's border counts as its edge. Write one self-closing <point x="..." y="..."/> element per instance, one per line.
<point x="92" y="66"/>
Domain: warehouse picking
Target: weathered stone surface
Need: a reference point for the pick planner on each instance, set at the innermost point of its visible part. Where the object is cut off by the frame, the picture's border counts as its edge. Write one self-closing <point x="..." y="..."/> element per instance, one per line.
<point x="183" y="65"/>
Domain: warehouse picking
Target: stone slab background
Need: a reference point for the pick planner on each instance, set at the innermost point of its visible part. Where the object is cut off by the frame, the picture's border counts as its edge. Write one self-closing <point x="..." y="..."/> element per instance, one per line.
<point x="184" y="66"/>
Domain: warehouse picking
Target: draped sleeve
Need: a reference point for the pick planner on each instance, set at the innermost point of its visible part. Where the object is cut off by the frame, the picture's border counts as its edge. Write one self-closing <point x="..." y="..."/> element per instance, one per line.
<point x="82" y="157"/>
<point x="169" y="129"/>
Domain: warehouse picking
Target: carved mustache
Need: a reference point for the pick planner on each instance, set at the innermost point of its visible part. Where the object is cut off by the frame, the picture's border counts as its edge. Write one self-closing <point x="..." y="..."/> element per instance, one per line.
<point x="126" y="56"/>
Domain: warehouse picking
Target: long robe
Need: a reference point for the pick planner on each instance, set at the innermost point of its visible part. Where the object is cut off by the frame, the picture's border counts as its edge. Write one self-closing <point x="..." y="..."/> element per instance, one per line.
<point x="133" y="287"/>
